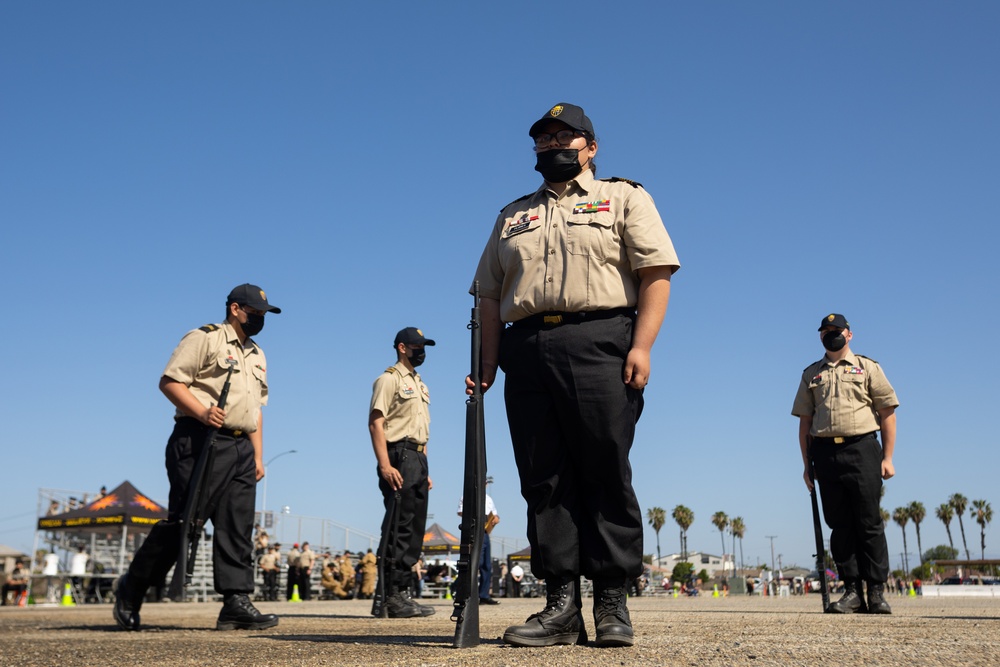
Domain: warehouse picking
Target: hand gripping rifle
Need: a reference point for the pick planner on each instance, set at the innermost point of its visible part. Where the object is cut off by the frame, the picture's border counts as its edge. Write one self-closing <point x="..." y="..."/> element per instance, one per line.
<point x="466" y="611"/>
<point x="196" y="505"/>
<point x="818" y="529"/>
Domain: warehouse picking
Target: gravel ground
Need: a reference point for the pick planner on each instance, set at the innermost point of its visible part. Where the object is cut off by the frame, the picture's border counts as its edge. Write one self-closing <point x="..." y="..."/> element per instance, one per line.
<point x="684" y="631"/>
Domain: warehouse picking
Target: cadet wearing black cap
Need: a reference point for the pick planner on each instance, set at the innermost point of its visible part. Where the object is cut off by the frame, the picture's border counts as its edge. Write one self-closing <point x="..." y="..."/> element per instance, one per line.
<point x="581" y="269"/>
<point x="399" y="424"/>
<point x="193" y="380"/>
<point x="843" y="400"/>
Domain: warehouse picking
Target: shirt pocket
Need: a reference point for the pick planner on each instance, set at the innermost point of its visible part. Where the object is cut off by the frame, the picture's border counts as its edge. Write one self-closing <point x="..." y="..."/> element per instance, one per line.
<point x="592" y="234"/>
<point x="520" y="239"/>
<point x="407" y="392"/>
<point x="261" y="376"/>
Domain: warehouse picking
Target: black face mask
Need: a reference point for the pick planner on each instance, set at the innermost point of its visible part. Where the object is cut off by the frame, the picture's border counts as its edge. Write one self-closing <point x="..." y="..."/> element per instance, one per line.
<point x="834" y="340"/>
<point x="558" y="166"/>
<point x="417" y="357"/>
<point x="253" y="325"/>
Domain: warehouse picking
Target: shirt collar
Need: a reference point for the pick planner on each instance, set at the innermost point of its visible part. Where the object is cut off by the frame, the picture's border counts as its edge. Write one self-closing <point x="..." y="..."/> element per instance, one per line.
<point x="583" y="182"/>
<point x="233" y="338"/>
<point x="851" y="359"/>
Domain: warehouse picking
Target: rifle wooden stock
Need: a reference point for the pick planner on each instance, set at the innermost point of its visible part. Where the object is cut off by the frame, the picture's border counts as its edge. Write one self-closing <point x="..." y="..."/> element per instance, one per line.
<point x="466" y="610"/>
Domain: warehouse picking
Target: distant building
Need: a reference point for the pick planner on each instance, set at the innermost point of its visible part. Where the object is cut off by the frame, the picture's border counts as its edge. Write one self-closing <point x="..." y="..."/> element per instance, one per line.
<point x="714" y="565"/>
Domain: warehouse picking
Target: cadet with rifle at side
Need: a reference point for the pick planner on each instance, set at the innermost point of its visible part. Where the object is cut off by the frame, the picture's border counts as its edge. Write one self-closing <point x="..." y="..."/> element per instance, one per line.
<point x="399" y="424"/>
<point x="193" y="381"/>
<point x="842" y="403"/>
<point x="581" y="270"/>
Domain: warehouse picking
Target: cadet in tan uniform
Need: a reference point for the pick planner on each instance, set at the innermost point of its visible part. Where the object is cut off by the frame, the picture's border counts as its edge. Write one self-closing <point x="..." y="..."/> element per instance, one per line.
<point x="369" y="569"/>
<point x="399" y="424"/>
<point x="843" y="401"/>
<point x="306" y="560"/>
<point x="581" y="270"/>
<point x="269" y="568"/>
<point x="193" y="380"/>
<point x="292" y="579"/>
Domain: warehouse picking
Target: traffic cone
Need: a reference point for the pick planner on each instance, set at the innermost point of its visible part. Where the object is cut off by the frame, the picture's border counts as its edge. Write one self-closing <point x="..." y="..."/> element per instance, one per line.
<point x="295" y="594"/>
<point x="447" y="593"/>
<point x="67" y="597"/>
<point x="676" y="592"/>
<point x="715" y="590"/>
<point x="912" y="592"/>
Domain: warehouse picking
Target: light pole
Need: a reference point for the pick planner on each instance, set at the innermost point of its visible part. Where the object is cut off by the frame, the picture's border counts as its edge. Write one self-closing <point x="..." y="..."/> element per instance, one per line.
<point x="263" y="502"/>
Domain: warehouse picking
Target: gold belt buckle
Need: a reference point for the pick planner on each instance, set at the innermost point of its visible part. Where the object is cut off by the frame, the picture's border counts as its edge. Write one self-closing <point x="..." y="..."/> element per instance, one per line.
<point x="552" y="319"/>
<point x="838" y="440"/>
<point x="237" y="433"/>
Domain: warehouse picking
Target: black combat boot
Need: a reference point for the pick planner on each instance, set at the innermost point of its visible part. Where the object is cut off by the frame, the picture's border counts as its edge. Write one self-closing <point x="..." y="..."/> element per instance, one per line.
<point x="561" y="622"/>
<point x="238" y="613"/>
<point x="128" y="599"/>
<point x="402" y="605"/>
<point x="876" y="601"/>
<point x="614" y="627"/>
<point x="852" y="601"/>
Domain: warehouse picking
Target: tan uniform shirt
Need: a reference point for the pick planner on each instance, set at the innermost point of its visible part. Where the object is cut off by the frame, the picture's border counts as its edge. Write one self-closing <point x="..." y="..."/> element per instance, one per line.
<point x="404" y="401"/>
<point x="201" y="361"/>
<point x="577" y="252"/>
<point x="293" y="557"/>
<point x="268" y="561"/>
<point x="843" y="398"/>
<point x="306" y="559"/>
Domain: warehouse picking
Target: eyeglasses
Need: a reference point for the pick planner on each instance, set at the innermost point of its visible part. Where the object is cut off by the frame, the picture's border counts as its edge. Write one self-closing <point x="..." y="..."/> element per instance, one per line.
<point x="562" y="137"/>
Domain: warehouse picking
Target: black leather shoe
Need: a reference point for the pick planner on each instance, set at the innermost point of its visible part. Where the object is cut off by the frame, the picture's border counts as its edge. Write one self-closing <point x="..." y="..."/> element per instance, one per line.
<point x="238" y="613"/>
<point x="488" y="601"/>
<point x="561" y="622"/>
<point x="876" y="601"/>
<point x="852" y="602"/>
<point x="614" y="627"/>
<point x="126" y="609"/>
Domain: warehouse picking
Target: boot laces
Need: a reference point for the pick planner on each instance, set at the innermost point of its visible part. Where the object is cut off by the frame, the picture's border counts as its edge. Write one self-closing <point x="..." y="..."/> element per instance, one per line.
<point x="553" y="601"/>
<point x="610" y="601"/>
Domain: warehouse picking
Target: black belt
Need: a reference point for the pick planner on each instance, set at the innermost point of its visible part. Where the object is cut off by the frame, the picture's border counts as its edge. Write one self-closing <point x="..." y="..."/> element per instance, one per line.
<point x="192" y="423"/>
<point x="844" y="440"/>
<point x="542" y="320"/>
<point x="406" y="443"/>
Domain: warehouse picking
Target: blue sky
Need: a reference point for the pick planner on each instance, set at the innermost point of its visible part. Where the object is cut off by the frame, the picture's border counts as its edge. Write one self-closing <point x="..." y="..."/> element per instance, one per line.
<point x="805" y="157"/>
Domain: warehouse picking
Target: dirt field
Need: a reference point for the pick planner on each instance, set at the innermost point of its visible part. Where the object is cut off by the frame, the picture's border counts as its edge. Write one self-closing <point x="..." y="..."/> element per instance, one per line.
<point x="694" y="631"/>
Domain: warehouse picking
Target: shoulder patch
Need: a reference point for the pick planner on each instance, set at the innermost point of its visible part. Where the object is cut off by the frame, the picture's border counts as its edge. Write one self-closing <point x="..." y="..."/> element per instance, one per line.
<point x="209" y="328"/>
<point x="617" y="179"/>
<point x="391" y="370"/>
<point x="517" y="200"/>
<point x="864" y="357"/>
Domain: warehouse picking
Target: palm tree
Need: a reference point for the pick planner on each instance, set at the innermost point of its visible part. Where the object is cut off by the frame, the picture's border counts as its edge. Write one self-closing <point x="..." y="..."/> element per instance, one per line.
<point x="657" y="516"/>
<point x="917" y="514"/>
<point x="901" y="515"/>
<point x="885" y="516"/>
<point x="721" y="521"/>
<point x="684" y="518"/>
<point x="945" y="512"/>
<point x="739" y="530"/>
<point x="960" y="502"/>
<point x="983" y="514"/>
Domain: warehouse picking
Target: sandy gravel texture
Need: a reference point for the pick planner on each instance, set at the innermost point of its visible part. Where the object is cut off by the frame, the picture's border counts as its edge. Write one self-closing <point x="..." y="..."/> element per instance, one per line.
<point x="692" y="631"/>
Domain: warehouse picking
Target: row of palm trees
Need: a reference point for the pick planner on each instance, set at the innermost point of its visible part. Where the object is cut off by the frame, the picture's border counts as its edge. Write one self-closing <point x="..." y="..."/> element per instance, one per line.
<point x="956" y="505"/>
<point x="684" y="516"/>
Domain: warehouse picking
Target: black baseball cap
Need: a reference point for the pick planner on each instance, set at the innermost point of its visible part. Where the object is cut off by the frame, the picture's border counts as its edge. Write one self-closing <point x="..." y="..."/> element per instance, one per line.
<point x="253" y="296"/>
<point x="411" y="336"/>
<point x="567" y="113"/>
<point x="834" y="320"/>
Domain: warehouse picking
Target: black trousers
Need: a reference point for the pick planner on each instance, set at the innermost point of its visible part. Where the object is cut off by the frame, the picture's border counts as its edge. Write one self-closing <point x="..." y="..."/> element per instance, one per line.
<point x="292" y="581"/>
<point x="850" y="485"/>
<point x="271" y="585"/>
<point x="233" y="482"/>
<point x="405" y="549"/>
<point x="572" y="421"/>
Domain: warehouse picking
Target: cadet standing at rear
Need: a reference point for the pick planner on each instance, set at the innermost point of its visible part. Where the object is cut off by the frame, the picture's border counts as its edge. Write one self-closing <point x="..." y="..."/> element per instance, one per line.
<point x="843" y="400"/>
<point x="399" y="424"/>
<point x="581" y="269"/>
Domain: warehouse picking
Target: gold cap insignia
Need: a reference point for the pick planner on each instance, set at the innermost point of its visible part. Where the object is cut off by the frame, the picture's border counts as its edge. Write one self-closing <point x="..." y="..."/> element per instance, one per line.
<point x="556" y="110"/>
<point x="829" y="318"/>
<point x="420" y="333"/>
<point x="263" y="296"/>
